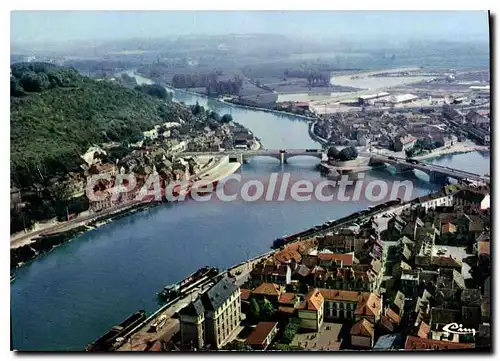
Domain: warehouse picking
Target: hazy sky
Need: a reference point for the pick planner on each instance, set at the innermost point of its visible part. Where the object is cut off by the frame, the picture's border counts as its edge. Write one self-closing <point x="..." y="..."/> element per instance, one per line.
<point x="35" y="26"/>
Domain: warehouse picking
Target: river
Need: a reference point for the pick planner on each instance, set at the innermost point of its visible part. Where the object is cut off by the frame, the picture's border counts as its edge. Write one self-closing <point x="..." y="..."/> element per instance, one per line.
<point x="70" y="296"/>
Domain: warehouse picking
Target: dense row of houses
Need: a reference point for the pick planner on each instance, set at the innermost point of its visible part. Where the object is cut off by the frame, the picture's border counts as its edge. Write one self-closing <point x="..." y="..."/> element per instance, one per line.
<point x="386" y="280"/>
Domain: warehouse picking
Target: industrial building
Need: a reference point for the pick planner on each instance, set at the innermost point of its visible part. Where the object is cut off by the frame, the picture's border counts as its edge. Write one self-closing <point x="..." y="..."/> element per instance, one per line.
<point x="402" y="99"/>
<point x="370" y="98"/>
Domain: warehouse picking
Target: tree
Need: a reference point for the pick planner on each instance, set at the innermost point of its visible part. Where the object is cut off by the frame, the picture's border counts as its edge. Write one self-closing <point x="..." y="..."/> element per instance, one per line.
<point x="290" y="331"/>
<point x="227" y="118"/>
<point x="348" y="153"/>
<point x="333" y="152"/>
<point x="15" y="88"/>
<point x="215" y="116"/>
<point x="34" y="82"/>
<point x="155" y="90"/>
<point x="254" y="310"/>
<point x="197" y="109"/>
<point x="267" y="310"/>
<point x="237" y="346"/>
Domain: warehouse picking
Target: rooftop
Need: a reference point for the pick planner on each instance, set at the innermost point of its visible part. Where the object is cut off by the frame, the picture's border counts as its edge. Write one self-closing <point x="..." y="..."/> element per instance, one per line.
<point x="218" y="294"/>
<point x="371" y="307"/>
<point x="267" y="289"/>
<point x="343" y="296"/>
<point x="387" y="342"/>
<point x="346" y="259"/>
<point x="363" y="328"/>
<point x="313" y="300"/>
<point x="417" y="343"/>
<point x="288" y="298"/>
<point x="195" y="308"/>
<point x="261" y="332"/>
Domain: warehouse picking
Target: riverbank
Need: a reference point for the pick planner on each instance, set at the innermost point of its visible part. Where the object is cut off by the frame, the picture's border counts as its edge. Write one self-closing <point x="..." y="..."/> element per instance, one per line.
<point x="265" y="110"/>
<point x="142" y="334"/>
<point x="33" y="245"/>
<point x="314" y="136"/>
<point x="225" y="102"/>
<point x="456" y="148"/>
<point x="45" y="243"/>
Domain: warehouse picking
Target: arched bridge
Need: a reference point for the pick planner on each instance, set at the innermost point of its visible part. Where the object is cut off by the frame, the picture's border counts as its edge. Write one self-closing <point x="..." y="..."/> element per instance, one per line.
<point x="435" y="172"/>
<point x="281" y="154"/>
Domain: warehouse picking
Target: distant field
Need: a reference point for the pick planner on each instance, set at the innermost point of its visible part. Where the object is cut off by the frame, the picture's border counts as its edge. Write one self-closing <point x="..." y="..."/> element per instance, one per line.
<point x="365" y="81"/>
<point x="303" y="97"/>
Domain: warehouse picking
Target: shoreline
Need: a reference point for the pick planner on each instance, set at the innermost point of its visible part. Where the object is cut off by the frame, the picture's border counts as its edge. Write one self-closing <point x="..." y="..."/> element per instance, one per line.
<point x="30" y="249"/>
<point x="453" y="150"/>
<point x="235" y="271"/>
<point x="260" y="109"/>
<point x="314" y="136"/>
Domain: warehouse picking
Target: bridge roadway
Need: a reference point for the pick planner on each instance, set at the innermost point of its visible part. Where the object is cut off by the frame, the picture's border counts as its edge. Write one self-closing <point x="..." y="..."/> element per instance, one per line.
<point x="281" y="154"/>
<point x="431" y="169"/>
<point x="434" y="170"/>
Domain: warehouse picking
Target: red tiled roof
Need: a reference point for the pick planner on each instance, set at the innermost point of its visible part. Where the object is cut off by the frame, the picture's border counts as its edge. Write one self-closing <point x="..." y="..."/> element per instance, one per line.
<point x="343" y="296"/>
<point x="267" y="289"/>
<point x="362" y="328"/>
<point x="288" y="298"/>
<point x="302" y="246"/>
<point x="423" y="330"/>
<point x="417" y="343"/>
<point x="259" y="335"/>
<point x="288" y="255"/>
<point x="370" y="307"/>
<point x="445" y="262"/>
<point x="288" y="310"/>
<point x="393" y="316"/>
<point x="346" y="259"/>
<point x="484" y="248"/>
<point x="313" y="300"/>
<point x="384" y="321"/>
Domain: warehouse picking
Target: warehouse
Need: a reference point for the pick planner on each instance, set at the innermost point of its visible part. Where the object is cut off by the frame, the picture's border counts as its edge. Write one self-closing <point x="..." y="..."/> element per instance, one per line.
<point x="402" y="99"/>
<point x="365" y="99"/>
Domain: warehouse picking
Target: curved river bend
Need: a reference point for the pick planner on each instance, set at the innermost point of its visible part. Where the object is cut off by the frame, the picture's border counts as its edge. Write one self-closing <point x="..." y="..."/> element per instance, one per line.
<point x="69" y="297"/>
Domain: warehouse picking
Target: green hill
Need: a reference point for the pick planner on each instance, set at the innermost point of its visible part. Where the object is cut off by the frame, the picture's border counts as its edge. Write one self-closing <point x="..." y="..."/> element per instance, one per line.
<point x="56" y="114"/>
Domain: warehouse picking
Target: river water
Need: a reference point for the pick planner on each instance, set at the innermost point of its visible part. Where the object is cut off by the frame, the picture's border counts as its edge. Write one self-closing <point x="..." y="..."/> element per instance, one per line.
<point x="69" y="297"/>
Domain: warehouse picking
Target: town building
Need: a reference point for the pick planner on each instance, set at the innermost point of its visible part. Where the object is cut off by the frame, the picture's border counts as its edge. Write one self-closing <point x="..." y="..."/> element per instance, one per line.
<point x="311" y="311"/>
<point x="212" y="318"/>
<point x="363" y="334"/>
<point x="262" y="335"/>
<point x="268" y="291"/>
<point x="405" y="142"/>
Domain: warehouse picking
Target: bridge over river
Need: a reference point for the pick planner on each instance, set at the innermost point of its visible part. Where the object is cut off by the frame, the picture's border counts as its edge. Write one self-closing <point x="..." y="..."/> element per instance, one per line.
<point x="436" y="173"/>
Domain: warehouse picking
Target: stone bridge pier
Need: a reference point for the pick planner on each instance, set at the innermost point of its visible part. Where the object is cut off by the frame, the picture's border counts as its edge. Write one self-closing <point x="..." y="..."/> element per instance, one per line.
<point x="403" y="168"/>
<point x="437" y="177"/>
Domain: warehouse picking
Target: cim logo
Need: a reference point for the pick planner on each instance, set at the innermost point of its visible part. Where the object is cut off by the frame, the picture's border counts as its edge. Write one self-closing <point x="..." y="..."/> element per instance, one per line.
<point x="458" y="330"/>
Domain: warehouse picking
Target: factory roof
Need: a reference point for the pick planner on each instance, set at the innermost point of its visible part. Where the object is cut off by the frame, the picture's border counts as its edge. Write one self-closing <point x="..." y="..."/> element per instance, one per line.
<point x="373" y="96"/>
<point x="403" y="98"/>
<point x="480" y="87"/>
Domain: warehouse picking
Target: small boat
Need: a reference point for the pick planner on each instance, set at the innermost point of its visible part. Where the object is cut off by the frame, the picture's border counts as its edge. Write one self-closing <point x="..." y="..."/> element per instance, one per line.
<point x="12" y="277"/>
